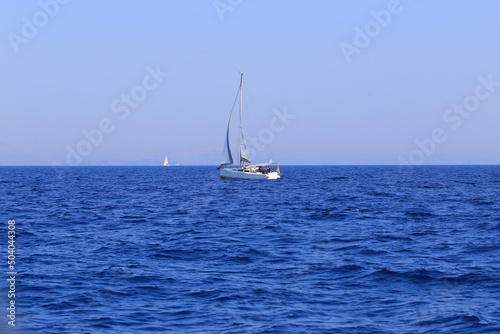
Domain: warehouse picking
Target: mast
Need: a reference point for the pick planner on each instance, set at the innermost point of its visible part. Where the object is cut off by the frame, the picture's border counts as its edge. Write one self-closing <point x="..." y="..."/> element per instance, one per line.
<point x="241" y="118"/>
<point x="244" y="156"/>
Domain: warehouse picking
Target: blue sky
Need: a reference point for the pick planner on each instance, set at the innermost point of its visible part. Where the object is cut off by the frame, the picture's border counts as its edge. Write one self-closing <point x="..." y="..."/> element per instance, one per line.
<point x="423" y="86"/>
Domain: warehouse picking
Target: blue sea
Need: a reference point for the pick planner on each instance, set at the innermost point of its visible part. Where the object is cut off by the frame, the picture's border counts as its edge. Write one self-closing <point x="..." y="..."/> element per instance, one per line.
<point x="325" y="249"/>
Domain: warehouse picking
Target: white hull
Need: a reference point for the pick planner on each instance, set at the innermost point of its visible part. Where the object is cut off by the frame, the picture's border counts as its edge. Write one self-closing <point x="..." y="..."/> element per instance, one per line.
<point x="236" y="173"/>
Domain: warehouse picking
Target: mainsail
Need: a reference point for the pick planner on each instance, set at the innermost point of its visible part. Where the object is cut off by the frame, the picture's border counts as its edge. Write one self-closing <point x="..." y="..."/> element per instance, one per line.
<point x="243" y="143"/>
<point x="227" y="158"/>
<point x="165" y="163"/>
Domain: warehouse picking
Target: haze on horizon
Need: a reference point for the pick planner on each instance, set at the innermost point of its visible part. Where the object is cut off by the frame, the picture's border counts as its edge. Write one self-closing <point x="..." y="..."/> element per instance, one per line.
<point x="328" y="82"/>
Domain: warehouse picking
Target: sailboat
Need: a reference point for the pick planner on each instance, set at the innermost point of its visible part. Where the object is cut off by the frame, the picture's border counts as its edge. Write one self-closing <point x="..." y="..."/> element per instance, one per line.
<point x="244" y="169"/>
<point x="165" y="163"/>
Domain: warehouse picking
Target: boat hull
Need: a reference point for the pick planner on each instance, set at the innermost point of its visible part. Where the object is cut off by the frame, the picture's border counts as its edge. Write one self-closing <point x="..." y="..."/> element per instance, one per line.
<point x="235" y="173"/>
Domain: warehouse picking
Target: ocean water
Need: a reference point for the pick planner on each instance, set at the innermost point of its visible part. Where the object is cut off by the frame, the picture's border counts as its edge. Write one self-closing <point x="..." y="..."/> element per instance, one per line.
<point x="326" y="249"/>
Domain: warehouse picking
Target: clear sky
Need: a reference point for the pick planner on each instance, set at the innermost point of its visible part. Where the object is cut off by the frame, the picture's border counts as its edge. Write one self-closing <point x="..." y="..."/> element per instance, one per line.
<point x="329" y="82"/>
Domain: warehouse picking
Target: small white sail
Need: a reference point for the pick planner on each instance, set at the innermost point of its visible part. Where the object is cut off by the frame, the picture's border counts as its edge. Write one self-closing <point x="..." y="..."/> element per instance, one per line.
<point x="165" y="163"/>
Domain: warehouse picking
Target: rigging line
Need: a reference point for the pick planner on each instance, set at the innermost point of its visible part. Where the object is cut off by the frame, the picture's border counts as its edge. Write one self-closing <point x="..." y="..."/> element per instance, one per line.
<point x="248" y="97"/>
<point x="270" y="151"/>
<point x="249" y="122"/>
<point x="244" y="120"/>
<point x="235" y="100"/>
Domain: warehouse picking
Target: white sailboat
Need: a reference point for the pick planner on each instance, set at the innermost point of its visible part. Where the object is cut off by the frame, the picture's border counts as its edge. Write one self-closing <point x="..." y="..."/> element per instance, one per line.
<point x="165" y="163"/>
<point x="244" y="170"/>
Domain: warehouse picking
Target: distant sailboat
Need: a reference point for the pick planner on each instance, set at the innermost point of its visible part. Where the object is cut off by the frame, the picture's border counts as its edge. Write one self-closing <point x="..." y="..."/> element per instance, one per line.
<point x="244" y="171"/>
<point x="165" y="163"/>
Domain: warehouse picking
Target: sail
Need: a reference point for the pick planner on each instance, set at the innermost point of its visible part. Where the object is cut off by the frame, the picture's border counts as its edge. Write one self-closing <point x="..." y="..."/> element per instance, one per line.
<point x="165" y="163"/>
<point x="227" y="158"/>
<point x="244" y="157"/>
